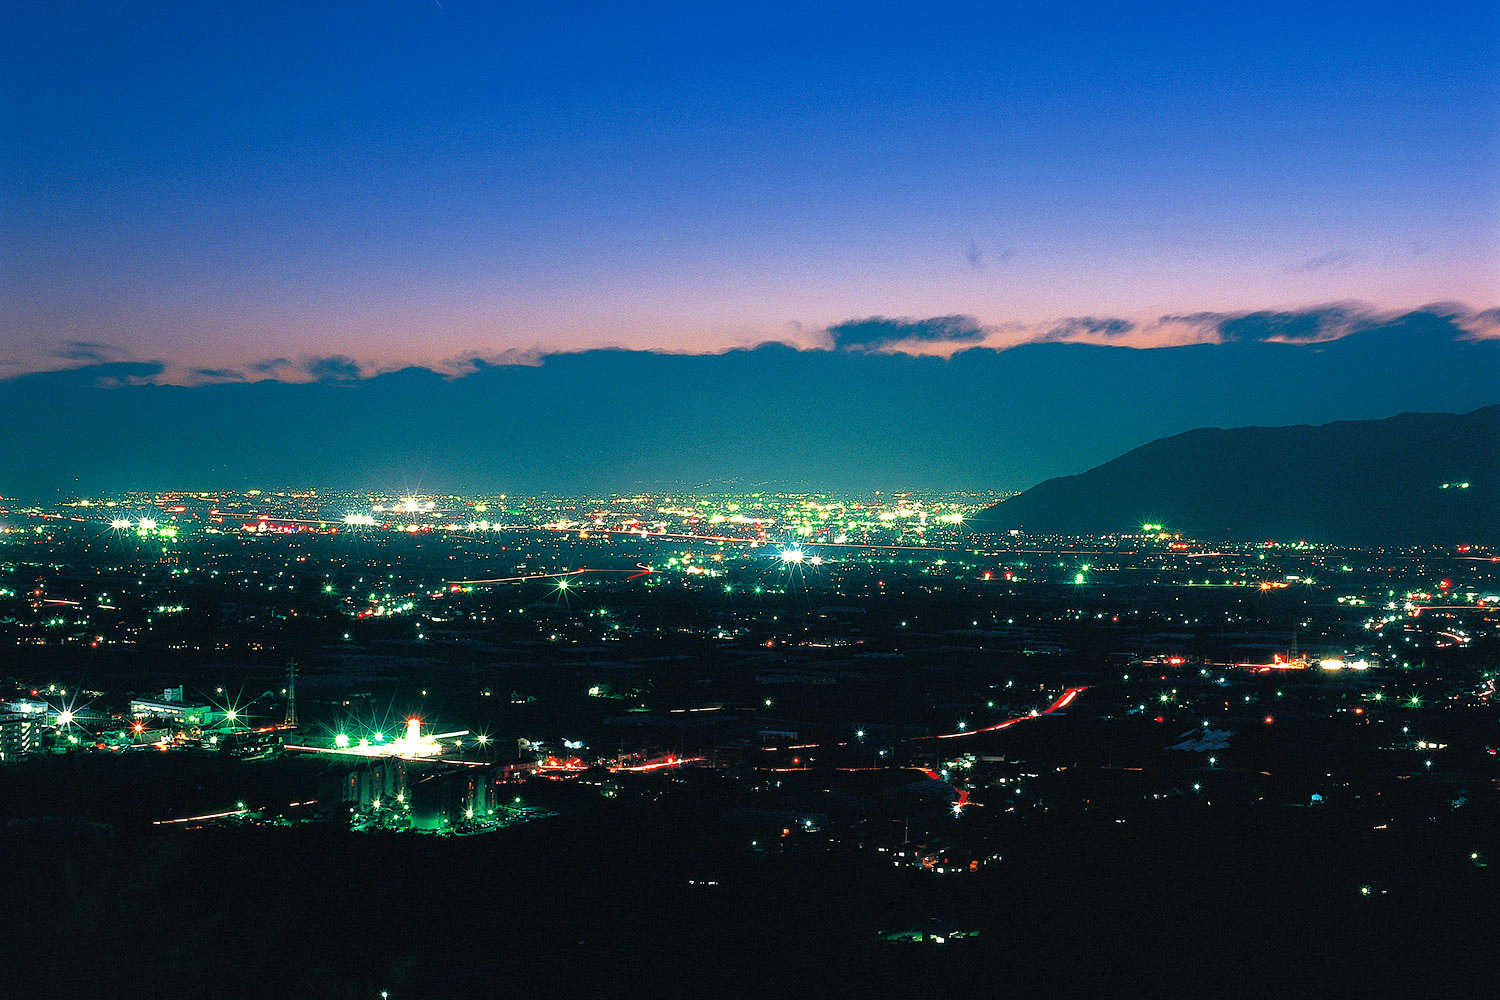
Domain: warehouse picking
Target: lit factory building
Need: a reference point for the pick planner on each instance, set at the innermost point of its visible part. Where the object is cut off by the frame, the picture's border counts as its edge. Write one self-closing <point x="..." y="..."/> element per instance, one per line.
<point x="396" y="794"/>
<point x="403" y="785"/>
<point x="171" y="707"/>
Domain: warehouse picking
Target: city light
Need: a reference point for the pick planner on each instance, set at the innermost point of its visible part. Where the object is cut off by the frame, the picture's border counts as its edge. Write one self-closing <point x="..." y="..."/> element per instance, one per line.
<point x="779" y="502"/>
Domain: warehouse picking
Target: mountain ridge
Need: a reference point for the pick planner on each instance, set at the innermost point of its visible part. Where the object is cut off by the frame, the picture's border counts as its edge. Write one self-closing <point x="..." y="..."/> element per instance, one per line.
<point x="1359" y="482"/>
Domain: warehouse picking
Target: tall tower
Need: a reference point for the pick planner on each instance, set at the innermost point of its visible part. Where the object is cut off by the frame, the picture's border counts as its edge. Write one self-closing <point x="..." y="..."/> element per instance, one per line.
<point x="290" y="721"/>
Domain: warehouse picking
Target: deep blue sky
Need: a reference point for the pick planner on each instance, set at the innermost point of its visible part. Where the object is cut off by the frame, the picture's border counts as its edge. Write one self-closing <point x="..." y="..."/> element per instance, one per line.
<point x="216" y="185"/>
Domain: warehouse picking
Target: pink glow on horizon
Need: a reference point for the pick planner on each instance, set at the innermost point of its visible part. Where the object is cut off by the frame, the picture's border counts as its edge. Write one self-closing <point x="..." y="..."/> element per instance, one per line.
<point x="400" y="339"/>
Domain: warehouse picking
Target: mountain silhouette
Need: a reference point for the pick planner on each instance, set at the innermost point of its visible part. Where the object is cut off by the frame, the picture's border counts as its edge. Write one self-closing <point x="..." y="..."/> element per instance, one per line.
<point x="1416" y="478"/>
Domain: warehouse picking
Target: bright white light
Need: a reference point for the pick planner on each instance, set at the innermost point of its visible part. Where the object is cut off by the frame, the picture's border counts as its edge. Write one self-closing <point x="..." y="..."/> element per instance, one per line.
<point x="411" y="745"/>
<point x="791" y="555"/>
<point x="147" y="524"/>
<point x="65" y="718"/>
<point x="120" y="522"/>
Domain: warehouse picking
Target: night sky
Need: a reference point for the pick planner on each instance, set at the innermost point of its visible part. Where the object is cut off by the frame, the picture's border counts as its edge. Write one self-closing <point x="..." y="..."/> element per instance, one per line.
<point x="307" y="192"/>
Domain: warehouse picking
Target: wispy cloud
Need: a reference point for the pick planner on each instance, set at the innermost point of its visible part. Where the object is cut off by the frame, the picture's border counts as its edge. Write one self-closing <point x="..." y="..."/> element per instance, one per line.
<point x="466" y="364"/>
<point x="119" y="374"/>
<point x="878" y="332"/>
<point x="1091" y="328"/>
<point x="91" y="351"/>
<point x="219" y="374"/>
<point x="1331" y="261"/>
<point x="1483" y="325"/>
<point x="979" y="259"/>
<point x="317" y="368"/>
<point x="332" y="368"/>
<point x="974" y="256"/>
<point x="1303" y="326"/>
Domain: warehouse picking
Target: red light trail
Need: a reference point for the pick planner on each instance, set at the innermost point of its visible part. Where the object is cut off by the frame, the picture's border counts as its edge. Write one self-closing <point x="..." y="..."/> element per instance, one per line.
<point x="1063" y="701"/>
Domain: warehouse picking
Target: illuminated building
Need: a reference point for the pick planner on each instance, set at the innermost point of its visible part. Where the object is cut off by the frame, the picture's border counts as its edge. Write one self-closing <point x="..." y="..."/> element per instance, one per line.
<point x="444" y="802"/>
<point x="20" y="734"/>
<point x="171" y="707"/>
<point x="375" y="786"/>
<point x="390" y="793"/>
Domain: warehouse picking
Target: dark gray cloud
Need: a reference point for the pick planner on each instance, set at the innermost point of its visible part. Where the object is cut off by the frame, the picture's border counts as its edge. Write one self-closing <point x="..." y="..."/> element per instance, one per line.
<point x="329" y="368"/>
<point x="464" y="364"/>
<point x="979" y="259"/>
<point x="120" y="374"/>
<point x="333" y="368"/>
<point x="92" y="351"/>
<point x="1484" y="325"/>
<point x="219" y="374"/>
<point x="1301" y="326"/>
<point x="1332" y="260"/>
<point x="879" y="331"/>
<point x="1075" y="327"/>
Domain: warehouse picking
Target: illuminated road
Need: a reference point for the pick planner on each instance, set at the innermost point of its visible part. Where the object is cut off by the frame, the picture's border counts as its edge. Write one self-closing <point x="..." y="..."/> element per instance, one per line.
<point x="238" y="811"/>
<point x="639" y="571"/>
<point x="1063" y="701"/>
<point x="659" y="765"/>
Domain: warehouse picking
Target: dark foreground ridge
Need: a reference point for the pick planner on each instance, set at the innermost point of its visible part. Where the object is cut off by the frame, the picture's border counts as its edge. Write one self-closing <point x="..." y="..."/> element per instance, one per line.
<point x="1415" y="478"/>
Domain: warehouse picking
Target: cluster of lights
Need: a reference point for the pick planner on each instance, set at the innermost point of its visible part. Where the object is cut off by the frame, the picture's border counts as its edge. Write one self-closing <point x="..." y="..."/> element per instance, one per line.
<point x="413" y="744"/>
